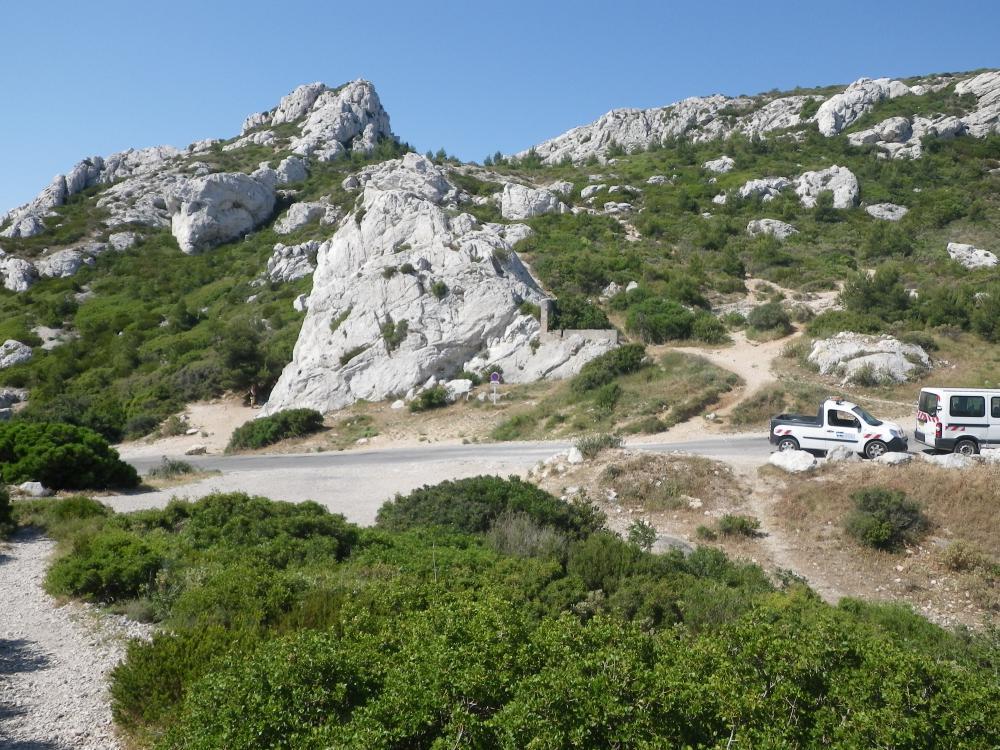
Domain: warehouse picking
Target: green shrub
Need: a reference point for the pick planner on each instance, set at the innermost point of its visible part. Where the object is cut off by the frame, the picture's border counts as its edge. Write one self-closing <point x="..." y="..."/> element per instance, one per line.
<point x="174" y="426"/>
<point x="394" y="333"/>
<point x="657" y="320"/>
<point x="283" y="425"/>
<point x="734" y="525"/>
<point x="709" y="329"/>
<point x="439" y="289"/>
<point x="884" y="518"/>
<point x="642" y="534"/>
<point x="352" y="353"/>
<point x="770" y="317"/>
<point x="6" y="514"/>
<point x="435" y="397"/>
<point x="591" y="445"/>
<point x="576" y="311"/>
<point x="61" y="456"/>
<point x="108" y="566"/>
<point x="170" y="468"/>
<point x="606" y="367"/>
<point x="473" y="506"/>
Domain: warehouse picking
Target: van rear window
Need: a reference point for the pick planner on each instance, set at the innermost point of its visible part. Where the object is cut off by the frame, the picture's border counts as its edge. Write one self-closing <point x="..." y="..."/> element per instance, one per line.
<point x="928" y="402"/>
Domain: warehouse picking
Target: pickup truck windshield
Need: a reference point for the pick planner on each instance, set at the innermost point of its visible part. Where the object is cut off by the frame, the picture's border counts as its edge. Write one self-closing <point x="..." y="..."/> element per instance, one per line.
<point x="866" y="417"/>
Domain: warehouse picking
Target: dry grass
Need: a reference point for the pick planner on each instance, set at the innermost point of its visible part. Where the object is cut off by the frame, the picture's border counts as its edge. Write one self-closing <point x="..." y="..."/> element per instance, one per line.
<point x="651" y="482"/>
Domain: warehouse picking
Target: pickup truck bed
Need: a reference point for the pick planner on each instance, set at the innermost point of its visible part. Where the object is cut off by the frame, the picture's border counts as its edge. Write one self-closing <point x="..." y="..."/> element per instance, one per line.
<point x="798" y="419"/>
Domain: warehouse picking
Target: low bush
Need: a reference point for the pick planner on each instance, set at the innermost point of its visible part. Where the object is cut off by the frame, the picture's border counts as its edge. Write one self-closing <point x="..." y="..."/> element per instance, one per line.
<point x="435" y="397"/>
<point x="657" y="320"/>
<point x="734" y="525"/>
<point x="170" y="468"/>
<point x="6" y="514"/>
<point x="606" y="367"/>
<point x="280" y="426"/>
<point x="109" y="566"/>
<point x="642" y="534"/>
<point x="770" y="317"/>
<point x="61" y="456"/>
<point x="474" y="505"/>
<point x="591" y="445"/>
<point x="884" y="519"/>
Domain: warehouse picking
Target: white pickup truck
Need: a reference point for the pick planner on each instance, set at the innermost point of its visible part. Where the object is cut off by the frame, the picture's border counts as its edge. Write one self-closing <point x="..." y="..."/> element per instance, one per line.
<point x="837" y="422"/>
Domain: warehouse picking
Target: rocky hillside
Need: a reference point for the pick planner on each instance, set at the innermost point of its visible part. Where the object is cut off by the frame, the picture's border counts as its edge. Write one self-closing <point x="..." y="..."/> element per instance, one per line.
<point x="314" y="254"/>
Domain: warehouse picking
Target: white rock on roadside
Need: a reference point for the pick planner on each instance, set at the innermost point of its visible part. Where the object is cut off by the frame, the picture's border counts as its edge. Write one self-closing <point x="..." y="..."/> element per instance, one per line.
<point x="848" y="353"/>
<point x="948" y="460"/>
<point x="841" y="454"/>
<point x="35" y="489"/>
<point x="794" y="462"/>
<point x="894" y="458"/>
<point x="574" y="456"/>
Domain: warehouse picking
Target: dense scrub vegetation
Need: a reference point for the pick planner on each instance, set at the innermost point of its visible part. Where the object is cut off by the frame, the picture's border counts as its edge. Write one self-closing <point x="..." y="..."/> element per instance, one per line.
<point x="286" y="627"/>
<point x="268" y="430"/>
<point x="60" y="456"/>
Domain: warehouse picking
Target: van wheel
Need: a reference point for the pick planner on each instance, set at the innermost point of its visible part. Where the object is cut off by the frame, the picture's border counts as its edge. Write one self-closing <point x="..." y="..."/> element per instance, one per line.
<point x="967" y="447"/>
<point x="876" y="448"/>
<point x="788" y="444"/>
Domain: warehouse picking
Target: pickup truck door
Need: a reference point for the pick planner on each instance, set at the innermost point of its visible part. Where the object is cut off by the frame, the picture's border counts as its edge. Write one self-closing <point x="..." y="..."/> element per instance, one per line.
<point x="842" y="428"/>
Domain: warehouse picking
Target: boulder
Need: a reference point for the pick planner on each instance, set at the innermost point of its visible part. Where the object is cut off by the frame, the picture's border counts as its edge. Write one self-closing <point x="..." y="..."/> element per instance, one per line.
<point x="35" y="489"/>
<point x="301" y="303"/>
<point x="122" y="241"/>
<point x="458" y="388"/>
<point x="894" y="458"/>
<point x="971" y="257"/>
<point x="887" y="211"/>
<point x="560" y="187"/>
<point x="591" y="190"/>
<point x="13" y="352"/>
<point x="842" y="110"/>
<point x="657" y="179"/>
<point x="207" y="211"/>
<point x="948" y="460"/>
<point x="24" y="227"/>
<point x="10" y="396"/>
<point x="196" y="450"/>
<point x="838" y="180"/>
<point x="613" y="207"/>
<point x="841" y="454"/>
<point x="847" y="354"/>
<point x="793" y="462"/>
<point x="773" y="227"/>
<point x="398" y="404"/>
<point x="520" y="202"/>
<point x="986" y="118"/>
<point x="767" y="188"/>
<point x="290" y="262"/>
<point x="720" y="199"/>
<point x="611" y="290"/>
<point x="17" y="274"/>
<point x="574" y="456"/>
<point x="61" y="264"/>
<point x="303" y="214"/>
<point x="721" y="165"/>
<point x="370" y="335"/>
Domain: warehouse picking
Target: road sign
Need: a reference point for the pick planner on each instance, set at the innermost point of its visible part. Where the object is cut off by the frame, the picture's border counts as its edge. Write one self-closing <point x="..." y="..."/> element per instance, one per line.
<point x="495" y="377"/>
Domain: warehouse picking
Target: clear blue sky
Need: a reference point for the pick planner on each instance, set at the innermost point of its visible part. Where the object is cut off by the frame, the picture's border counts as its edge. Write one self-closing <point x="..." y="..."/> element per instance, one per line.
<point x="83" y="78"/>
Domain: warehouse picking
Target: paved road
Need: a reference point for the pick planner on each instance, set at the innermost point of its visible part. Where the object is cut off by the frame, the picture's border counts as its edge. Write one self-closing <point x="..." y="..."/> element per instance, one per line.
<point x="357" y="482"/>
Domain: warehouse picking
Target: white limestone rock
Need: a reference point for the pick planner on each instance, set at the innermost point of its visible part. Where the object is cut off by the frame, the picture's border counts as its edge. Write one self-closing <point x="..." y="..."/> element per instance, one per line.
<point x="561" y="188"/>
<point x="721" y="198"/>
<point x="288" y="263"/>
<point x="610" y="291"/>
<point x="793" y="462"/>
<point x="773" y="227"/>
<point x="721" y="165"/>
<point x="343" y="352"/>
<point x="616" y="207"/>
<point x="289" y="170"/>
<point x="894" y="458"/>
<point x="458" y="388"/>
<point x="656" y="179"/>
<point x="61" y="264"/>
<point x="16" y="274"/>
<point x="841" y="454"/>
<point x="887" y="211"/>
<point x="948" y="460"/>
<point x="34" y="489"/>
<point x="838" y="180"/>
<point x="971" y="257"/>
<point x="13" y="352"/>
<point x="986" y="118"/>
<point x="767" y="188"/>
<point x="302" y="214"/>
<point x="592" y="190"/>
<point x="841" y="110"/>
<point x="207" y="211"/>
<point x="24" y="227"/>
<point x="574" y="456"/>
<point x="848" y="353"/>
<point x="337" y="120"/>
<point x="301" y="303"/>
<point x="122" y="241"/>
<point x="10" y="396"/>
<point x="521" y="202"/>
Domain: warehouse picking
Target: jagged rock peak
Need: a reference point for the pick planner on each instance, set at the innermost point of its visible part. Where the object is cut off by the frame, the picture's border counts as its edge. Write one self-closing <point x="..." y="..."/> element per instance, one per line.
<point x="408" y="290"/>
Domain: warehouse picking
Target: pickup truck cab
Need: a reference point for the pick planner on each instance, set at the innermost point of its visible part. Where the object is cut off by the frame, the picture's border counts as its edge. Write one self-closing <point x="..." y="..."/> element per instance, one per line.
<point x="837" y="422"/>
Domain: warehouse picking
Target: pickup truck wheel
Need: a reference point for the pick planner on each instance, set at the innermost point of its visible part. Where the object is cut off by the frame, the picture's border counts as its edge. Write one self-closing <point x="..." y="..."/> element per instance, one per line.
<point x="967" y="447"/>
<point x="876" y="448"/>
<point x="788" y="444"/>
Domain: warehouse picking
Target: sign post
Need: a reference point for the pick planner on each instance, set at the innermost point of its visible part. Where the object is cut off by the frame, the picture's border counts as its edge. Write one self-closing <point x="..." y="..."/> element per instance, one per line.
<point x="495" y="381"/>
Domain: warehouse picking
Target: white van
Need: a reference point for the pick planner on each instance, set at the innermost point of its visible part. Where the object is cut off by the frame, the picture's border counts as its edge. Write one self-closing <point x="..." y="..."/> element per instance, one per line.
<point x="963" y="420"/>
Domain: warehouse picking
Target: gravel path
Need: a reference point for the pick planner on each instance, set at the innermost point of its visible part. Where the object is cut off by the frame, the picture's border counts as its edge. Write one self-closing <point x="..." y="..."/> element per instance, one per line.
<point x="53" y="660"/>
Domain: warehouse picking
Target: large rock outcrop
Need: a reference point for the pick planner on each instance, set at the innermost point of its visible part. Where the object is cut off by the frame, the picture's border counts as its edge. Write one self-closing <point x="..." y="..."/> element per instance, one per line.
<point x="407" y="290"/>
<point x="218" y="208"/>
<point x="291" y="262"/>
<point x="13" y="352"/>
<point x="520" y="202"/>
<point x="842" y="110"/>
<point x="971" y="257"/>
<point x="881" y="358"/>
<point x="838" y="180"/>
<point x="986" y="117"/>
<point x="16" y="274"/>
<point x="773" y="227"/>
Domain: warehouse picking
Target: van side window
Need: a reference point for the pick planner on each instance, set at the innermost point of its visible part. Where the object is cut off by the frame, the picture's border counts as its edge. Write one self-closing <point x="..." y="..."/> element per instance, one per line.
<point x="928" y="402"/>
<point x="968" y="406"/>
<point x="995" y="407"/>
